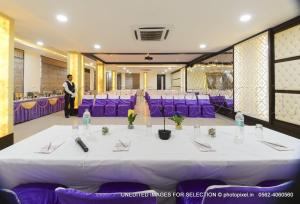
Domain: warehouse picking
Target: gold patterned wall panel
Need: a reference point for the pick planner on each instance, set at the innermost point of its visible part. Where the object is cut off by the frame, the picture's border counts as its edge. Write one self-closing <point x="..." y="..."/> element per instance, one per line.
<point x="287" y="75"/>
<point x="251" y="77"/>
<point x="287" y="43"/>
<point x="287" y="107"/>
<point x="176" y="80"/>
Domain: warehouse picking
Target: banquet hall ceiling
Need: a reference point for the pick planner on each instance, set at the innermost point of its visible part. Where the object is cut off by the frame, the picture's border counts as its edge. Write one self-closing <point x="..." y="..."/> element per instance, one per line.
<point x="111" y="23"/>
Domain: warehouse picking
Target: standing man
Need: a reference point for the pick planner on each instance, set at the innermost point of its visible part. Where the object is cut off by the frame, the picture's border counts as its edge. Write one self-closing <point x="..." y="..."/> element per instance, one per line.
<point x="69" y="89"/>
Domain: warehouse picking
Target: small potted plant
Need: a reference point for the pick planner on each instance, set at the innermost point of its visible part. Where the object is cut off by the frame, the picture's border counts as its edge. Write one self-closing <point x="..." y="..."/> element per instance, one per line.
<point x="178" y="119"/>
<point x="131" y="117"/>
<point x="105" y="130"/>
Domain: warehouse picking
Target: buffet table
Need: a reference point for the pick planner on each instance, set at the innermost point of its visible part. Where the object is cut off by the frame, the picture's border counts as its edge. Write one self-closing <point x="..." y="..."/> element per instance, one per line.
<point x="159" y="163"/>
<point x="25" y="110"/>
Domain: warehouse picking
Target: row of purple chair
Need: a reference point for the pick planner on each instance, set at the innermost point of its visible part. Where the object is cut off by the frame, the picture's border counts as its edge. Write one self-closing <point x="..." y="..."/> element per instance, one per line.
<point x="221" y="101"/>
<point x="208" y="191"/>
<point x="109" y="107"/>
<point x="108" y="193"/>
<point x="189" y="107"/>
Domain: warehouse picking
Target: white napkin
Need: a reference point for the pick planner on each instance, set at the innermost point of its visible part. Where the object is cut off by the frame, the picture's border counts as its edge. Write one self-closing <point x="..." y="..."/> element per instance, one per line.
<point x="276" y="146"/>
<point x="122" y="145"/>
<point x="204" y="147"/>
<point x="50" y="147"/>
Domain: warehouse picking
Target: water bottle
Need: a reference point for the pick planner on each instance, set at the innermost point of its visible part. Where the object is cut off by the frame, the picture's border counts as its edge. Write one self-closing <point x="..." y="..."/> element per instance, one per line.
<point x="86" y="118"/>
<point x="239" y="122"/>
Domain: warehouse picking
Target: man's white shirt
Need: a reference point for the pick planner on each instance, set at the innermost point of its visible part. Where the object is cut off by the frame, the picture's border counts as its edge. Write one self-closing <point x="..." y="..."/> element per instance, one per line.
<point x="66" y="87"/>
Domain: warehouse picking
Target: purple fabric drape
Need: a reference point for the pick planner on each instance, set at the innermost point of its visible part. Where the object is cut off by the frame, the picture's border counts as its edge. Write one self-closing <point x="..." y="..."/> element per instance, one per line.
<point x="41" y="108"/>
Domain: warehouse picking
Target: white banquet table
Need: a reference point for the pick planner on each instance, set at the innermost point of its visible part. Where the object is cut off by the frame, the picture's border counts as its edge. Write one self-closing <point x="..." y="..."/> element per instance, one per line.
<point x="158" y="163"/>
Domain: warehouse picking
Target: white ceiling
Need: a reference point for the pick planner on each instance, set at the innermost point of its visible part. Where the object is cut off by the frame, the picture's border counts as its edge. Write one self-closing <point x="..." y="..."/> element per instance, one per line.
<point x="127" y="58"/>
<point x="167" y="69"/>
<point x="110" y="22"/>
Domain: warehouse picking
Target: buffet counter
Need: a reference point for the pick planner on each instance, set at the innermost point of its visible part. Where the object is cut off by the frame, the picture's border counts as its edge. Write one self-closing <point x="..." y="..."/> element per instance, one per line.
<point x="29" y="109"/>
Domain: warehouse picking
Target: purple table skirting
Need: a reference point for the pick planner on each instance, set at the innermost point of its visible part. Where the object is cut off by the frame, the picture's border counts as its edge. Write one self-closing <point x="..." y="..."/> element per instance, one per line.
<point x="41" y="108"/>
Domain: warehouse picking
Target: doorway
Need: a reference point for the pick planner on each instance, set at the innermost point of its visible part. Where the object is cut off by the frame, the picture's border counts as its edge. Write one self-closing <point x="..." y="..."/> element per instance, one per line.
<point x="161" y="82"/>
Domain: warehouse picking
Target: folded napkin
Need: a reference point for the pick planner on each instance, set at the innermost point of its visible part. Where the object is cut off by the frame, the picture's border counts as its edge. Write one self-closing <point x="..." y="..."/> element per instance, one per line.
<point x="50" y="147"/>
<point x="204" y="147"/>
<point x="276" y="146"/>
<point x="122" y="145"/>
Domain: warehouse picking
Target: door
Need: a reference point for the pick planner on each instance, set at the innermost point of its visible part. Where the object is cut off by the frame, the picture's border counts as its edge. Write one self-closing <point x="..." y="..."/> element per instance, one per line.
<point x="161" y="82"/>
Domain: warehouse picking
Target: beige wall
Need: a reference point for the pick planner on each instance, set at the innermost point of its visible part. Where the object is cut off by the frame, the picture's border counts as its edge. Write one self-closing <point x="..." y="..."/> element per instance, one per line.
<point x="32" y="71"/>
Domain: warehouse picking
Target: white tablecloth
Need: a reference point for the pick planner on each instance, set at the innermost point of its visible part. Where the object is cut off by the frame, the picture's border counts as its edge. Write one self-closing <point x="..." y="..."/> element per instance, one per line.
<point x="161" y="164"/>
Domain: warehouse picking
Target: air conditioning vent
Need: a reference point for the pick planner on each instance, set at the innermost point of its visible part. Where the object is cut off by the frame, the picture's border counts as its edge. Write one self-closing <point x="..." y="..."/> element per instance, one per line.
<point x="151" y="33"/>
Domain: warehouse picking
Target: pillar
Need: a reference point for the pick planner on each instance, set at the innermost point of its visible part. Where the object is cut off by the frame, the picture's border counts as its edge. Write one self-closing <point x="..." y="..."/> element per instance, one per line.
<point x="6" y="80"/>
<point x="100" y="77"/>
<point x="76" y="68"/>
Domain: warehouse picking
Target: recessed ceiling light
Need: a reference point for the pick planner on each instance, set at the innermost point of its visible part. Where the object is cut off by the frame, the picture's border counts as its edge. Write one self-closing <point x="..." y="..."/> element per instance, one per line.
<point x="97" y="46"/>
<point x="202" y="46"/>
<point x="62" y="18"/>
<point x="40" y="43"/>
<point x="169" y="68"/>
<point x="124" y="68"/>
<point x="245" y="18"/>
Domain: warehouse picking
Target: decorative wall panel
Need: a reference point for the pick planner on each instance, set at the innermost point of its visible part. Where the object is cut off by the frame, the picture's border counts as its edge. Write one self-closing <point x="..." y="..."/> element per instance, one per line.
<point x="251" y="77"/>
<point x="287" y="107"/>
<point x="287" y="75"/>
<point x="86" y="79"/>
<point x="52" y="77"/>
<point x="18" y="72"/>
<point x="176" y="80"/>
<point x="287" y="43"/>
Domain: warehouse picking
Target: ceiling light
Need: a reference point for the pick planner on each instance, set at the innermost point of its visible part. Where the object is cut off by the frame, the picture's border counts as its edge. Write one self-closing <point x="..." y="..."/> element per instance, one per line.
<point x="169" y="68"/>
<point x="40" y="43"/>
<point x="97" y="46"/>
<point x="245" y="18"/>
<point x="202" y="46"/>
<point x="124" y="68"/>
<point x="62" y="18"/>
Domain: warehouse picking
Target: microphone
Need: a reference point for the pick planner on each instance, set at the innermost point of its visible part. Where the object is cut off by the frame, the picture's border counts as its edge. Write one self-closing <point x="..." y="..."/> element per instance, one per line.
<point x="81" y="144"/>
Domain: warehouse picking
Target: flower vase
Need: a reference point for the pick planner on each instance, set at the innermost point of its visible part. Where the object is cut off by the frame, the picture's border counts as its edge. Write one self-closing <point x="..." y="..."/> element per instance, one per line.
<point x="130" y="126"/>
<point x="178" y="127"/>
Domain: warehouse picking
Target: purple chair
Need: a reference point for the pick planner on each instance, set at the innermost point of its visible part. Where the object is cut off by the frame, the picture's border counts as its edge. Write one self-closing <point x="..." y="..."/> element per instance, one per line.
<point x="229" y="103"/>
<point x="37" y="193"/>
<point x="72" y="196"/>
<point x="155" y="106"/>
<point x="169" y="108"/>
<point x="208" y="110"/>
<point x="124" y="105"/>
<point x="180" y="106"/>
<point x="8" y="197"/>
<point x="111" y="106"/>
<point x="255" y="191"/>
<point x="193" y="106"/>
<point x="194" y="186"/>
<point x="98" y="107"/>
<point x="87" y="103"/>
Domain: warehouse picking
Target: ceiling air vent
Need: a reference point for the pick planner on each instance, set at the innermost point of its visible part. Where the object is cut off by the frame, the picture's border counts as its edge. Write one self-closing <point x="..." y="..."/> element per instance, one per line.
<point x="151" y="33"/>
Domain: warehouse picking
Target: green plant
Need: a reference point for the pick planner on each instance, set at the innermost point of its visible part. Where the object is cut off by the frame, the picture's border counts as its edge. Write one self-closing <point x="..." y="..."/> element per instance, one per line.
<point x="177" y="118"/>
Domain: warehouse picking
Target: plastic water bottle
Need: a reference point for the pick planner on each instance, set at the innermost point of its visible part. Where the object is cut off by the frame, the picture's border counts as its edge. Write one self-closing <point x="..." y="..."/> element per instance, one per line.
<point x="240" y="123"/>
<point x="86" y="118"/>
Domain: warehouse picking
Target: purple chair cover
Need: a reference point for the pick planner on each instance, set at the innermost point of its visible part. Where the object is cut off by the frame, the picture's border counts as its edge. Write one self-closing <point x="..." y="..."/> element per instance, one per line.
<point x="194" y="108"/>
<point x="8" y="197"/>
<point x="85" y="104"/>
<point x="194" y="186"/>
<point x="98" y="108"/>
<point x="118" y="187"/>
<point x="208" y="111"/>
<point x="37" y="193"/>
<point x="271" y="183"/>
<point x="181" y="107"/>
<point x="254" y="190"/>
<point x="169" y="108"/>
<point x="155" y="110"/>
<point x="229" y="103"/>
<point x="111" y="107"/>
<point x="72" y="196"/>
